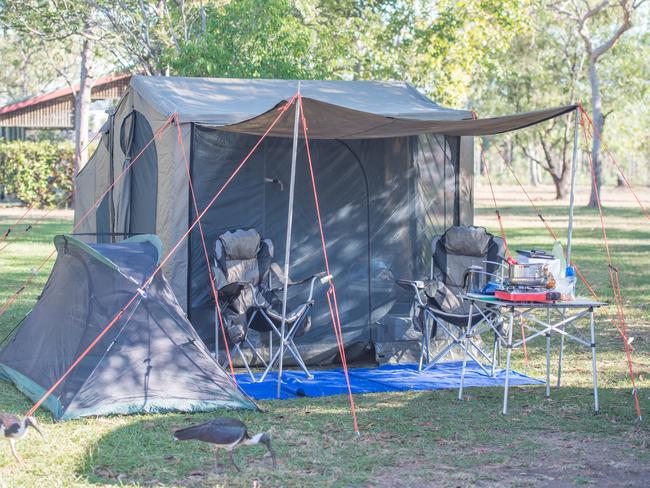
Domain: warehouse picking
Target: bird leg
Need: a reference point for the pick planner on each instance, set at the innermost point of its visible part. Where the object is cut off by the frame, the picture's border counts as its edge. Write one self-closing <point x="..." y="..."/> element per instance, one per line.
<point x="232" y="460"/>
<point x="12" y="444"/>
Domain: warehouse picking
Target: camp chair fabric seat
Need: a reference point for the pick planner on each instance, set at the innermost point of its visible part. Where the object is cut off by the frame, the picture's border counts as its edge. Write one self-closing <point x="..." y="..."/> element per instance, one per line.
<point x="459" y="320"/>
<point x="439" y="310"/>
<point x="247" y="280"/>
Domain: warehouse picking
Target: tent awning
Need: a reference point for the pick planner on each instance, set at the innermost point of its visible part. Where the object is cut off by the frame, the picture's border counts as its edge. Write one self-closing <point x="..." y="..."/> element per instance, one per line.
<point x="327" y="121"/>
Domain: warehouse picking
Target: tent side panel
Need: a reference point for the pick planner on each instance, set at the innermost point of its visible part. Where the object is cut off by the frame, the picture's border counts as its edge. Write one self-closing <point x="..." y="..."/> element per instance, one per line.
<point x="172" y="211"/>
<point x="342" y="185"/>
<point x="420" y="200"/>
<point x="84" y="194"/>
<point x="382" y="200"/>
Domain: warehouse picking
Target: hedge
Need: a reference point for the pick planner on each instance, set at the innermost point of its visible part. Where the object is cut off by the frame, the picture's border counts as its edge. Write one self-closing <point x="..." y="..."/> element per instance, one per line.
<point x="37" y="172"/>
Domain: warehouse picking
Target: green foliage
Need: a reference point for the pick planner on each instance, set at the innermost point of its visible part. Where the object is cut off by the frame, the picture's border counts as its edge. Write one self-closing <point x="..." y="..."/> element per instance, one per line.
<point x="251" y="39"/>
<point x="37" y="172"/>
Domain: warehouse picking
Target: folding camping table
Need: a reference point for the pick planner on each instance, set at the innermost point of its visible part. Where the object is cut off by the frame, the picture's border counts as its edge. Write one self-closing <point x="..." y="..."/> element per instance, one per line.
<point x="559" y="316"/>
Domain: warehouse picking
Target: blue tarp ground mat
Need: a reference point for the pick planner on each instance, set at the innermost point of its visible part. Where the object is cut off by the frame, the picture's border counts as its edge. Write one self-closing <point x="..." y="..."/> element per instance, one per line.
<point x="390" y="377"/>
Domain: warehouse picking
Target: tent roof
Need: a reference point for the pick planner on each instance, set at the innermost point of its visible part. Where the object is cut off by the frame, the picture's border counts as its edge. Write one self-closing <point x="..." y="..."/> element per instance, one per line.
<point x="135" y="257"/>
<point x="225" y="101"/>
<point x="334" y="109"/>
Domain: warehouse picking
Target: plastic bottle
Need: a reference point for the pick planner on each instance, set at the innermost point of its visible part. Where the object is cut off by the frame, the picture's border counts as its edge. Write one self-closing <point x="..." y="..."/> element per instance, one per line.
<point x="558" y="253"/>
<point x="571" y="279"/>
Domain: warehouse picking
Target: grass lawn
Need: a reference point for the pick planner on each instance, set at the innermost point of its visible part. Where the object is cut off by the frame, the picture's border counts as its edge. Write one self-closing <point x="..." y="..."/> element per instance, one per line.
<point x="407" y="439"/>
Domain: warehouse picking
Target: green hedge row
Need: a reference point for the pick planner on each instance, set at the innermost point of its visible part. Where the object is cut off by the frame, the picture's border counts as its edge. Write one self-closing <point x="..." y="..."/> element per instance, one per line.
<point x="38" y="172"/>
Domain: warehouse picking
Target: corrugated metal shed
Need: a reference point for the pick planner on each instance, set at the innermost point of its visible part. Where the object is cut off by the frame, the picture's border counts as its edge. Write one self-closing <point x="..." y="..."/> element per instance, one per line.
<point x="55" y="110"/>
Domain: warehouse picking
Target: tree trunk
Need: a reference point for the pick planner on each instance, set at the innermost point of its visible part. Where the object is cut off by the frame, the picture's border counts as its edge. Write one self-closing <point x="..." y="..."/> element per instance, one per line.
<point x="599" y="124"/>
<point x="82" y="107"/>
<point x="561" y="185"/>
<point x="535" y="178"/>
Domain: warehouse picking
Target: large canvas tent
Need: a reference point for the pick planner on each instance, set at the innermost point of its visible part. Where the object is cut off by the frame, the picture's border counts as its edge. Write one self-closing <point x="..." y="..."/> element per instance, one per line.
<point x="151" y="360"/>
<point x="392" y="167"/>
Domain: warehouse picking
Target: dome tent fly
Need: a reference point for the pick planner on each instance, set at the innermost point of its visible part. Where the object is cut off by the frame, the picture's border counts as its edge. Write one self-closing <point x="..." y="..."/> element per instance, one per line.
<point x="152" y="360"/>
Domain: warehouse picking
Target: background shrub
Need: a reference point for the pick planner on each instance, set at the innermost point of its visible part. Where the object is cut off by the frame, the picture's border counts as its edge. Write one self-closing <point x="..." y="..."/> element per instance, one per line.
<point x="37" y="171"/>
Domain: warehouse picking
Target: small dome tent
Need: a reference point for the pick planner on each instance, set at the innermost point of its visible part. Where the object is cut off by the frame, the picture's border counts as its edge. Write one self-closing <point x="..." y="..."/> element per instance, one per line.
<point x="151" y="360"/>
<point x="393" y="169"/>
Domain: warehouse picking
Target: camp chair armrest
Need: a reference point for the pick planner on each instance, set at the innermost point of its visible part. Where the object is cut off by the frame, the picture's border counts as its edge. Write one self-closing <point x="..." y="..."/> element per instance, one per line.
<point x="414" y="285"/>
<point x="322" y="276"/>
<point x="233" y="289"/>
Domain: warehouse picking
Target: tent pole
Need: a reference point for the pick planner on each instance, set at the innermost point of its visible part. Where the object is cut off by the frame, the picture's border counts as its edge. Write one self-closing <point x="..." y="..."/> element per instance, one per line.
<point x="573" y="188"/>
<point x="287" y="248"/>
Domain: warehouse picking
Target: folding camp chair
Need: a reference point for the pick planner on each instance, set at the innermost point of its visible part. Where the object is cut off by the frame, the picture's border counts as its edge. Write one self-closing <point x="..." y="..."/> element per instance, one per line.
<point x="247" y="281"/>
<point x="439" y="309"/>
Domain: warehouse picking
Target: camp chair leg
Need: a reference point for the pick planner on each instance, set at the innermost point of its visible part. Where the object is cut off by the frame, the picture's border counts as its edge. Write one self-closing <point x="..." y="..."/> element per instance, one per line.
<point x="424" y="344"/>
<point x="508" y="354"/>
<point x="593" y="358"/>
<point x="287" y="344"/>
<point x="457" y="341"/>
<point x="464" y="345"/>
<point x="462" y="374"/>
<point x="428" y="341"/>
<point x="294" y="352"/>
<point x="254" y="350"/>
<point x="480" y="351"/>
<point x="243" y="358"/>
<point x="440" y="355"/>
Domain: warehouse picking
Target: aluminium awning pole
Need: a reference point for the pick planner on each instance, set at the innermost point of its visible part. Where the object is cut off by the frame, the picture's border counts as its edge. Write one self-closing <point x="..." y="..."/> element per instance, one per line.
<point x="287" y="248"/>
<point x="573" y="187"/>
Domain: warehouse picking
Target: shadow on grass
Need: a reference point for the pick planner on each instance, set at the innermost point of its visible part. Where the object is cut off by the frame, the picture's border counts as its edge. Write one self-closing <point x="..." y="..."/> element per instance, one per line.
<point x="317" y="447"/>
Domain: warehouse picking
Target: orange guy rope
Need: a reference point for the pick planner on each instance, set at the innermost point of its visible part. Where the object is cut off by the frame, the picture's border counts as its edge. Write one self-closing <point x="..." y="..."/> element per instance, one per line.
<point x="334" y="311"/>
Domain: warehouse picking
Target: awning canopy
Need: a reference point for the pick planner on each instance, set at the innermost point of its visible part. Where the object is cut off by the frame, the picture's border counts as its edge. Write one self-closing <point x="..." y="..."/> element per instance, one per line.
<point x="326" y="121"/>
<point x="334" y="109"/>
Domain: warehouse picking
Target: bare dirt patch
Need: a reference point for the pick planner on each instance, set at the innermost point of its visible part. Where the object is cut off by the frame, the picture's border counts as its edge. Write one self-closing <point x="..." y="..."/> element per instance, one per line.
<point x="560" y="460"/>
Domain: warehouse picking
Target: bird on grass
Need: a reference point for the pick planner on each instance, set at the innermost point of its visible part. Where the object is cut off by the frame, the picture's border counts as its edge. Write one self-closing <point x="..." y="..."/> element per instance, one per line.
<point x="224" y="433"/>
<point x="14" y="429"/>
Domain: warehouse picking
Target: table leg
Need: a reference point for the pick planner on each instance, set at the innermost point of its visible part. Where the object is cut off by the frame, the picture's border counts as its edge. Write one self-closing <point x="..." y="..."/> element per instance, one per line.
<point x="548" y="354"/>
<point x="508" y="354"/>
<point x="561" y="357"/>
<point x="494" y="353"/>
<point x="593" y="358"/>
<point x="464" y="345"/>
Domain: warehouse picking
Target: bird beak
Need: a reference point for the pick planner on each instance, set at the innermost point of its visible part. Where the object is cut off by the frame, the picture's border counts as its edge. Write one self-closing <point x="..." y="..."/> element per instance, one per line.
<point x="31" y="422"/>
<point x="267" y="443"/>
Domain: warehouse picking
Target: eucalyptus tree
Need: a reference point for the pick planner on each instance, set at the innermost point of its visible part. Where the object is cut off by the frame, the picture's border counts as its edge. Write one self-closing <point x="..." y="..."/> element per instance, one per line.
<point x="600" y="26"/>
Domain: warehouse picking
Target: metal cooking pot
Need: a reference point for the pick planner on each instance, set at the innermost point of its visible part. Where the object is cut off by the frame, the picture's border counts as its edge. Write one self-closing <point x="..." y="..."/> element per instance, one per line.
<point x="472" y="279"/>
<point x="528" y="274"/>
